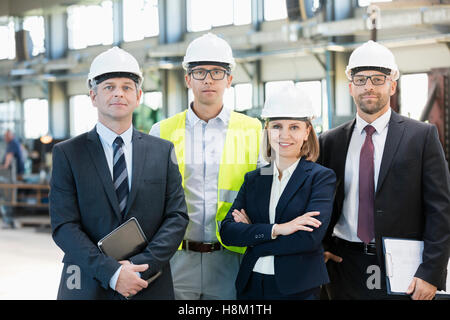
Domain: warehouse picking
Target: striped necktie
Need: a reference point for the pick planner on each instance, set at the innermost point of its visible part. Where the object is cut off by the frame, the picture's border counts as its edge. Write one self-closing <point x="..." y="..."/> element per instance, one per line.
<point x="120" y="174"/>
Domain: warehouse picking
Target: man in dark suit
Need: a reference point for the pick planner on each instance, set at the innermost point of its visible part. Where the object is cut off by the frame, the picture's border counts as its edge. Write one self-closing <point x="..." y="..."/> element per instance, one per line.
<point x="106" y="176"/>
<point x="393" y="181"/>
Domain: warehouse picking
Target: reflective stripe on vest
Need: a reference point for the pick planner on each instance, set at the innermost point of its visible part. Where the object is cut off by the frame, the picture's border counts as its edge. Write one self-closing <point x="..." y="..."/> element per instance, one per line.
<point x="239" y="156"/>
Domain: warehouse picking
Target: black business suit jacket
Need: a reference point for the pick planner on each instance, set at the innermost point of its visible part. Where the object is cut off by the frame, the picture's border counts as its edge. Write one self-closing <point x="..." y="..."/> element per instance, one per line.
<point x="84" y="208"/>
<point x="412" y="199"/>
<point x="299" y="264"/>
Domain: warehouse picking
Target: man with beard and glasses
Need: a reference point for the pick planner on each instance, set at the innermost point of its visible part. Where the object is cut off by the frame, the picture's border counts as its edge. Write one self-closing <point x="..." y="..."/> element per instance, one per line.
<point x="392" y="181"/>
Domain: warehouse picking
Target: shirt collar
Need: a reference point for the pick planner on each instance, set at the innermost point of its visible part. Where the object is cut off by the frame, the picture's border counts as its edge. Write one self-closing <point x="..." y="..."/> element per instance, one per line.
<point x="379" y="124"/>
<point x="286" y="172"/>
<point x="192" y="118"/>
<point x="109" y="136"/>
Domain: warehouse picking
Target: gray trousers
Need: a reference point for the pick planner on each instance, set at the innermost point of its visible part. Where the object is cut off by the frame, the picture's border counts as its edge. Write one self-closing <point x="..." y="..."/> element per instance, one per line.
<point x="205" y="276"/>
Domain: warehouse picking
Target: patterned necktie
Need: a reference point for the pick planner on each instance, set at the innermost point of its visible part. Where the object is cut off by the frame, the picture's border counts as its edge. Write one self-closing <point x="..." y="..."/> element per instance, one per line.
<point x="366" y="231"/>
<point x="120" y="174"/>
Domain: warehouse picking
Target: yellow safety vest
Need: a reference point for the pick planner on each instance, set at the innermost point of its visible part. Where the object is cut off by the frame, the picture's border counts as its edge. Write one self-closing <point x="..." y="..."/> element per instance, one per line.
<point x="239" y="156"/>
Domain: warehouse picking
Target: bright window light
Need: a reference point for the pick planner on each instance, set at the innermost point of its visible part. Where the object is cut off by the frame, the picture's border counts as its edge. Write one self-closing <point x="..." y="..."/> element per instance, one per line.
<point x="314" y="90"/>
<point x="242" y="12"/>
<point x="365" y="3"/>
<point x="35" y="25"/>
<point x="275" y="10"/>
<point x="35" y="113"/>
<point x="8" y="114"/>
<point x="90" y="25"/>
<point x="83" y="115"/>
<point x="243" y="96"/>
<point x="140" y="19"/>
<point x="8" y="41"/>
<point x="203" y="14"/>
<point x="229" y="98"/>
<point x="413" y="94"/>
<point x="153" y="99"/>
<point x="272" y="87"/>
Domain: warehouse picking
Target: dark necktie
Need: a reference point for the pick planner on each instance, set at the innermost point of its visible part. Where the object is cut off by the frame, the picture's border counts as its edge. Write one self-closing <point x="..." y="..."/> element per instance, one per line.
<point x="120" y="174"/>
<point x="366" y="231"/>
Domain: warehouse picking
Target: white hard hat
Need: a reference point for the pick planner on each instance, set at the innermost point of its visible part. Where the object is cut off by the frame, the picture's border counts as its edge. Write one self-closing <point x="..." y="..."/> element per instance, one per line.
<point x="288" y="102"/>
<point x="114" y="60"/>
<point x="209" y="48"/>
<point x="372" y="54"/>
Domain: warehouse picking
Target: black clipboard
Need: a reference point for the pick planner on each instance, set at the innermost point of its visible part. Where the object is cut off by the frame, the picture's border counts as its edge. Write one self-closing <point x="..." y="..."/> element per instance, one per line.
<point x="125" y="241"/>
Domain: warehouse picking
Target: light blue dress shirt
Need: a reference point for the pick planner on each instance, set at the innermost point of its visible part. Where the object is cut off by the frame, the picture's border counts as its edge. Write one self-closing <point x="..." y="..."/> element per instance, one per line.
<point x="107" y="137"/>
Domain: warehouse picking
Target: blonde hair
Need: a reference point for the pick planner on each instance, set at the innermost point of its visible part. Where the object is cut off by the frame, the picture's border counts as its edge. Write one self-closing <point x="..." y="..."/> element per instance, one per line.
<point x="310" y="149"/>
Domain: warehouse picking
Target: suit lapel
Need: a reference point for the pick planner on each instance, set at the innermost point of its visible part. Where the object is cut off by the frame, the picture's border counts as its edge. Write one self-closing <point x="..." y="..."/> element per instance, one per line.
<point x="295" y="182"/>
<point x="263" y="189"/>
<point x="98" y="158"/>
<point x="139" y="152"/>
<point x="394" y="135"/>
<point x="342" y="155"/>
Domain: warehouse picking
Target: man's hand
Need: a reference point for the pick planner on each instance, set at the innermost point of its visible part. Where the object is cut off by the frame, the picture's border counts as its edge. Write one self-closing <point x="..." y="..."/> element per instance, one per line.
<point x="129" y="283"/>
<point x="327" y="255"/>
<point x="421" y="290"/>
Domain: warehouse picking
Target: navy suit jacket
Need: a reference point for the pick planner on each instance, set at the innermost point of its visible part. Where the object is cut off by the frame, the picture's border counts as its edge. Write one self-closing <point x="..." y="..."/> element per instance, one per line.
<point x="84" y="208"/>
<point x="299" y="261"/>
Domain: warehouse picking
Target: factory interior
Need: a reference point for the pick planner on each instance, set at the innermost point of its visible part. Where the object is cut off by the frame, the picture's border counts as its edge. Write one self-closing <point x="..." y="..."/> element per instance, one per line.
<point x="48" y="46"/>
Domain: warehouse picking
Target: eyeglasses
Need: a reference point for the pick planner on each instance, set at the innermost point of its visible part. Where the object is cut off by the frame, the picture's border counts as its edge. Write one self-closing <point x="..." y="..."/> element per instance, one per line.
<point x="377" y="79"/>
<point x="216" y="74"/>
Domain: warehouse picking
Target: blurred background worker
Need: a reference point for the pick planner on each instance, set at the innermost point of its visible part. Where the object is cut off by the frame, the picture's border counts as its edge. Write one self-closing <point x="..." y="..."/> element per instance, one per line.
<point x="282" y="211"/>
<point x="13" y="153"/>
<point x="214" y="147"/>
<point x="393" y="181"/>
<point x="12" y="160"/>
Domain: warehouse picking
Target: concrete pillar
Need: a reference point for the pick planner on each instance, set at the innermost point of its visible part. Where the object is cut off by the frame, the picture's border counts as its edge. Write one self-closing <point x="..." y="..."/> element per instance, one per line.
<point x="59" y="123"/>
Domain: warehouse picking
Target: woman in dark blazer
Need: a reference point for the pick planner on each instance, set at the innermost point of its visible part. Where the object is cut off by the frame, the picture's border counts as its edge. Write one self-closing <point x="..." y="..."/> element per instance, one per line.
<point x="282" y="211"/>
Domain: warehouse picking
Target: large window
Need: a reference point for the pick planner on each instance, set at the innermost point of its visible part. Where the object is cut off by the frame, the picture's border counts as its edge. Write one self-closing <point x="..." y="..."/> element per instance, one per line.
<point x="90" y="25"/>
<point x="140" y="19"/>
<point x="413" y="94"/>
<point x="35" y="118"/>
<point x="9" y="115"/>
<point x="149" y="112"/>
<point x="7" y="40"/>
<point x="205" y="14"/>
<point x="35" y="25"/>
<point x="83" y="115"/>
<point x="365" y="3"/>
<point x="275" y="10"/>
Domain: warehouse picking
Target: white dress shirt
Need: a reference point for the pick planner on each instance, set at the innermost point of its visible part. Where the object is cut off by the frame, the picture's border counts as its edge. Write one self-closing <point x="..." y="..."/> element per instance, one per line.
<point x="107" y="137"/>
<point x="265" y="264"/>
<point x="347" y="226"/>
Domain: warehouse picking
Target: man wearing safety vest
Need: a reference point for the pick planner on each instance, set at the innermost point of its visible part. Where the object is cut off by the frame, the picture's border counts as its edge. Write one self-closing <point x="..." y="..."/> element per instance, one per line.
<point x="214" y="147"/>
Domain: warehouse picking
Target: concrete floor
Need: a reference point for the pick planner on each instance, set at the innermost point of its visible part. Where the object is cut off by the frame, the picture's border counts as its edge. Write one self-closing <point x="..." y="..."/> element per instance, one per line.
<point x="30" y="265"/>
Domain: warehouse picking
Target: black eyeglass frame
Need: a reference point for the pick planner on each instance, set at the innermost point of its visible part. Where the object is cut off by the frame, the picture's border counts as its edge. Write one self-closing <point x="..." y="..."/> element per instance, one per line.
<point x="225" y="73"/>
<point x="370" y="77"/>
